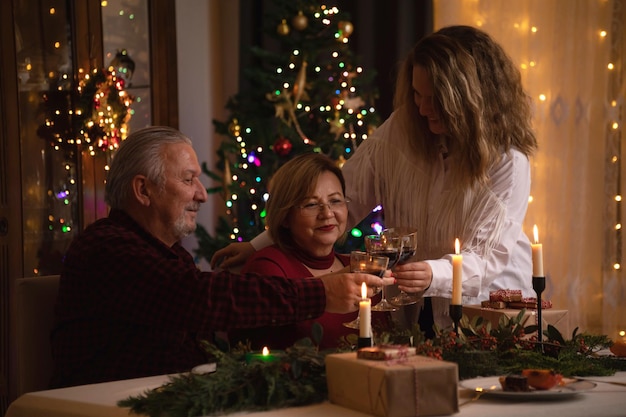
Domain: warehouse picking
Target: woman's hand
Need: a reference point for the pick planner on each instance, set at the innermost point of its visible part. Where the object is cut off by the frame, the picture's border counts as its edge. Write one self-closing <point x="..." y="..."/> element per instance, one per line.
<point x="413" y="277"/>
<point x="232" y="255"/>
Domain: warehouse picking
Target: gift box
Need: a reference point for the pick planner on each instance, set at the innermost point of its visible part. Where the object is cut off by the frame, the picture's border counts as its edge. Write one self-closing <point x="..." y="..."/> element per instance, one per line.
<point x="414" y="386"/>
<point x="557" y="318"/>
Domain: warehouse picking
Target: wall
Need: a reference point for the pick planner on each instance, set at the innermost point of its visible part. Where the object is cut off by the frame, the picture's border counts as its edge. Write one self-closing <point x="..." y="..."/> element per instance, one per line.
<point x="208" y="67"/>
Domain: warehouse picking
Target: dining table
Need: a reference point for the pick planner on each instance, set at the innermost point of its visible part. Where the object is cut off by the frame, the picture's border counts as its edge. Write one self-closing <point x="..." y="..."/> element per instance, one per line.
<point x="604" y="397"/>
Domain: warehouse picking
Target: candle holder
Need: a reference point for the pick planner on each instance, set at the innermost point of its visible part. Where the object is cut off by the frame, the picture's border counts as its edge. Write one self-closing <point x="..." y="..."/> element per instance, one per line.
<point x="539" y="284"/>
<point x="456" y="312"/>
<point x="364" y="342"/>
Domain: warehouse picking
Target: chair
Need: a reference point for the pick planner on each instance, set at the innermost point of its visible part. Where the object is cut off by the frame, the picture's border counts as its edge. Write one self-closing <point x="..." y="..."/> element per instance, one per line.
<point x="33" y="321"/>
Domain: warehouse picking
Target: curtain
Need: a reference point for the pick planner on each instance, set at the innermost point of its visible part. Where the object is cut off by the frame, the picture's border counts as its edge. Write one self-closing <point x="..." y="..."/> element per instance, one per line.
<point x="578" y="98"/>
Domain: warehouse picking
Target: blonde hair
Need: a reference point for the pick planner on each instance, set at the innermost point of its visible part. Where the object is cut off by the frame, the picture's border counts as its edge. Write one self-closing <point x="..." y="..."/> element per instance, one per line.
<point x="479" y="96"/>
<point x="290" y="185"/>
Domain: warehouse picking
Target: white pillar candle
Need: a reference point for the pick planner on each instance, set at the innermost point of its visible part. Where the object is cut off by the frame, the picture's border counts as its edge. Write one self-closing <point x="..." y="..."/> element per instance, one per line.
<point x="457" y="274"/>
<point x="537" y="249"/>
<point x="365" y="313"/>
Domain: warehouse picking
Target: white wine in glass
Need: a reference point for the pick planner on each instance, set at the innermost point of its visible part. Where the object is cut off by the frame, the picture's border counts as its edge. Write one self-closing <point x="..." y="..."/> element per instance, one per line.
<point x="365" y="263"/>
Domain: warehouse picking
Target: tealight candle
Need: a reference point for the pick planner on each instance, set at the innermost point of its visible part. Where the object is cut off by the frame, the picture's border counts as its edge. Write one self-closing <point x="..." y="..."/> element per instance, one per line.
<point x="365" y="313"/>
<point x="537" y="249"/>
<point x="263" y="356"/>
<point x="457" y="274"/>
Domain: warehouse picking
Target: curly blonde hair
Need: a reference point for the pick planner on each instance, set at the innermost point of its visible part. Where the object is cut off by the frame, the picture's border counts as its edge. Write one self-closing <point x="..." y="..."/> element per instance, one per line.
<point x="479" y="97"/>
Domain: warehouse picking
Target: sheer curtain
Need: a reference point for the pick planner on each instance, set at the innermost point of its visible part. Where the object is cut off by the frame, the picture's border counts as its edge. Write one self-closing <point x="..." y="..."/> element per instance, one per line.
<point x="564" y="57"/>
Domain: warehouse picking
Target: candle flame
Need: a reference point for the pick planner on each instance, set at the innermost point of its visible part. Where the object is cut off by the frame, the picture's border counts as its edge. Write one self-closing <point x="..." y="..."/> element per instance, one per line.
<point x="457" y="246"/>
<point x="536" y="233"/>
<point x="363" y="290"/>
<point x="266" y="351"/>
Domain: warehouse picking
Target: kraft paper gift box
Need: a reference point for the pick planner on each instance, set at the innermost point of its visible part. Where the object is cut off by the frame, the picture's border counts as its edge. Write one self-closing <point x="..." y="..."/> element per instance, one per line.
<point x="416" y="386"/>
<point x="557" y="318"/>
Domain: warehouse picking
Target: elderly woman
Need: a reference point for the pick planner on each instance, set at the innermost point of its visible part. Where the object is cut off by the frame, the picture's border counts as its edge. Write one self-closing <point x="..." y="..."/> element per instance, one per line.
<point x="306" y="214"/>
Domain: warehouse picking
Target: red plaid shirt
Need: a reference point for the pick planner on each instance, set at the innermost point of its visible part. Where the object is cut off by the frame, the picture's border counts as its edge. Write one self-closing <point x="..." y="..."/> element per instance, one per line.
<point x="130" y="306"/>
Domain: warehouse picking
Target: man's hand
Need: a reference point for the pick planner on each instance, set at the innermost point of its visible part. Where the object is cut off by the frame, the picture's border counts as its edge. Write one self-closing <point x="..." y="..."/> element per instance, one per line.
<point x="343" y="290"/>
<point x="232" y="255"/>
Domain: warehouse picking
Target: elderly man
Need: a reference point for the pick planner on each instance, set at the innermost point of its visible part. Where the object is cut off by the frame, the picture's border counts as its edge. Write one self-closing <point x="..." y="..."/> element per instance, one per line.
<point x="132" y="302"/>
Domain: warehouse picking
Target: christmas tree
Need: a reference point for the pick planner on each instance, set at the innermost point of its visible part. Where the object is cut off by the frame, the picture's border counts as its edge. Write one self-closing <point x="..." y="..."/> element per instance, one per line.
<point x="307" y="94"/>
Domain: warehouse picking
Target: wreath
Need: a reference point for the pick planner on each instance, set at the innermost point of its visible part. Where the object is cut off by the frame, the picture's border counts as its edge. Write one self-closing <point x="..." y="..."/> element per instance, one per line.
<point x="94" y="115"/>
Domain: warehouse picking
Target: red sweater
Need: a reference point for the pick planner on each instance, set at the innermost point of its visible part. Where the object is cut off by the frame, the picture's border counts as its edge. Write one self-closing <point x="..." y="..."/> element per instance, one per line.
<point x="272" y="261"/>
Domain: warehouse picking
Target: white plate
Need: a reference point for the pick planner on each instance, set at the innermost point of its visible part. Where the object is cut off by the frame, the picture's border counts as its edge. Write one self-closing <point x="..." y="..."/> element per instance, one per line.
<point x="205" y="368"/>
<point x="490" y="386"/>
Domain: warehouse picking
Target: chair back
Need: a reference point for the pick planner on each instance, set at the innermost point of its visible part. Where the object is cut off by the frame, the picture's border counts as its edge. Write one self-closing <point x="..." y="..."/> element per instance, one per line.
<point x="35" y="298"/>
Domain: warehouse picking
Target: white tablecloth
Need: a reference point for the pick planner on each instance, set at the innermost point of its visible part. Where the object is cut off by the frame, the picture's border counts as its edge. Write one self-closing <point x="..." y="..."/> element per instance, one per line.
<point x="99" y="400"/>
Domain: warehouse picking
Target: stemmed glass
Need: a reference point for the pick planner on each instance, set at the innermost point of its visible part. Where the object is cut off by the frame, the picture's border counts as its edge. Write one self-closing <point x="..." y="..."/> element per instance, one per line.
<point x="409" y="247"/>
<point x="389" y="246"/>
<point x="363" y="262"/>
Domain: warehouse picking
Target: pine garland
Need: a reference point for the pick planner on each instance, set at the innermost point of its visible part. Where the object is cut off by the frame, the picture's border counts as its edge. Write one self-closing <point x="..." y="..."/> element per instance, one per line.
<point x="299" y="376"/>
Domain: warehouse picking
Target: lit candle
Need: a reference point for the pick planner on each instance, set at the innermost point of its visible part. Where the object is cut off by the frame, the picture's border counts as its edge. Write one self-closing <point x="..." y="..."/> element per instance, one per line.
<point x="537" y="249"/>
<point x="264" y="356"/>
<point x="365" y="313"/>
<point x="457" y="274"/>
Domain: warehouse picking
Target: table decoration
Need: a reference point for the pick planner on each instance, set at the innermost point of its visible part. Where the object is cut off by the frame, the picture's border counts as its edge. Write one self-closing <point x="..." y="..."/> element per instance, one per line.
<point x="456" y="307"/>
<point x="414" y="386"/>
<point x="264" y="356"/>
<point x="299" y="377"/>
<point x="539" y="282"/>
<point x="483" y="348"/>
<point x="365" y="319"/>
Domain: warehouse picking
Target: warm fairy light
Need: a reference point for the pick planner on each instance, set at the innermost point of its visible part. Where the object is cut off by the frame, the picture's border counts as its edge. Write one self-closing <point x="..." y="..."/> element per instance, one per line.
<point x="610" y="66"/>
<point x="616" y="266"/>
<point x="614" y="159"/>
<point x="57" y="45"/>
<point x="533" y="29"/>
<point x="618" y="198"/>
<point x="542" y="97"/>
<point x="266" y="351"/>
<point x="530" y="199"/>
<point x="615" y="126"/>
<point x="618" y="226"/>
<point x="622" y="333"/>
<point x="603" y="33"/>
<point x="52" y="10"/>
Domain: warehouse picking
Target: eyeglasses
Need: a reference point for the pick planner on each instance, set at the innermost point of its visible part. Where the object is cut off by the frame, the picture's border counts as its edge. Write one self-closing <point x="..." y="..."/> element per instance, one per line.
<point x="313" y="209"/>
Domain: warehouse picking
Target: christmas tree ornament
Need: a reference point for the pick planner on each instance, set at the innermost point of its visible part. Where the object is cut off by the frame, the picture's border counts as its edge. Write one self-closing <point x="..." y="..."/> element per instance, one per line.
<point x="300" y="84"/>
<point x="282" y="146"/>
<point x="283" y="28"/>
<point x="300" y="21"/>
<point x="345" y="28"/>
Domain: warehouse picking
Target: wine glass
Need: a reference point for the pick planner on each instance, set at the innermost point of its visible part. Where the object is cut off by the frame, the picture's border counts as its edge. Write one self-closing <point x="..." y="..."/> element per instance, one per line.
<point x="409" y="247"/>
<point x="389" y="246"/>
<point x="363" y="262"/>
